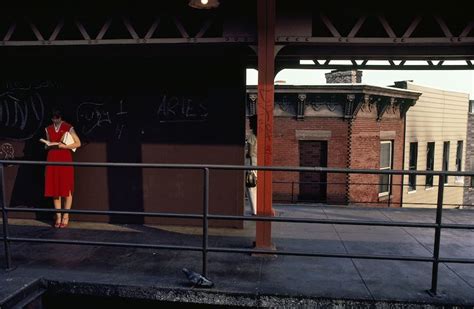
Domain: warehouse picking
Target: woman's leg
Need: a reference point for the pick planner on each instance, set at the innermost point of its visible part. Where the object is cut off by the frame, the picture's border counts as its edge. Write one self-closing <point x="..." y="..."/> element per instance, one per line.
<point x="57" y="205"/>
<point x="67" y="206"/>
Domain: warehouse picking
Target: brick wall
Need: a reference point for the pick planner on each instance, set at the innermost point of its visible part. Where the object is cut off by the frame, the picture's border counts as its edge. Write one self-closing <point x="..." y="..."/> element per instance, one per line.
<point x="286" y="153"/>
<point x="365" y="154"/>
<point x="469" y="162"/>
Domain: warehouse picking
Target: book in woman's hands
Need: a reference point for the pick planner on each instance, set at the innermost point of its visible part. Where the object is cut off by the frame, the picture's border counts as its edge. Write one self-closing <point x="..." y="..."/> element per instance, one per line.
<point x="48" y="143"/>
<point x="68" y="140"/>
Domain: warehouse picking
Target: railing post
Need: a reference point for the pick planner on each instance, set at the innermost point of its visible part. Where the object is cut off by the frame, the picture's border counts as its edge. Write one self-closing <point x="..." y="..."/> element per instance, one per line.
<point x="292" y="192"/>
<point x="205" y="223"/>
<point x="437" y="239"/>
<point x="389" y="197"/>
<point x="3" y="200"/>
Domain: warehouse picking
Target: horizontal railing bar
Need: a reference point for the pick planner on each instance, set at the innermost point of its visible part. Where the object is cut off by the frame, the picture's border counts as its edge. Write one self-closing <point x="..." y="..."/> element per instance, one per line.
<point x="309" y="201"/>
<point x="106" y="212"/>
<point x="222" y="250"/>
<point x="103" y="243"/>
<point x="238" y="167"/>
<point x="239" y="218"/>
<point x="21" y="209"/>
<point x="361" y="184"/>
<point x="328" y="255"/>
<point x="249" y="218"/>
<point x="457" y="226"/>
<point x="233" y="250"/>
<point x="384" y="201"/>
<point x="323" y="221"/>
<point x="456" y="260"/>
<point x="408" y="203"/>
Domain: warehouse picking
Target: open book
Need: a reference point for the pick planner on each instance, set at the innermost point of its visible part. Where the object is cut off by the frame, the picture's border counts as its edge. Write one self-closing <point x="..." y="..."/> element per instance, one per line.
<point x="48" y="143"/>
<point x="67" y="140"/>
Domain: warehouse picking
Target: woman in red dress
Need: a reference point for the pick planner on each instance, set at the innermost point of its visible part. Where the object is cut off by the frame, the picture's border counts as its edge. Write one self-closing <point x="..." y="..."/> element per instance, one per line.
<point x="60" y="179"/>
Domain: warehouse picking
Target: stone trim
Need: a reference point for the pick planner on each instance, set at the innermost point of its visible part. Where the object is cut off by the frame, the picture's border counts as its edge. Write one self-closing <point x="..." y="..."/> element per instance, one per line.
<point x="313" y="135"/>
<point x="387" y="135"/>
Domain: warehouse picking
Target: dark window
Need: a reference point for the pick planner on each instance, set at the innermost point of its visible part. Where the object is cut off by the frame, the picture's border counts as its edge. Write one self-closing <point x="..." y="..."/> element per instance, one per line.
<point x="459" y="156"/>
<point x="471" y="106"/>
<point x="446" y="159"/>
<point x="430" y="163"/>
<point x="413" y="166"/>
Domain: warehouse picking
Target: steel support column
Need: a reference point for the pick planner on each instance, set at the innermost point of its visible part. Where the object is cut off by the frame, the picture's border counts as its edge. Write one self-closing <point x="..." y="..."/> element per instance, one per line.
<point x="266" y="71"/>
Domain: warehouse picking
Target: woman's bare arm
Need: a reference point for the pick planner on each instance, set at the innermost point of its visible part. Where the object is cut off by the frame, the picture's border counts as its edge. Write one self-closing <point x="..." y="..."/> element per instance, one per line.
<point x="75" y="137"/>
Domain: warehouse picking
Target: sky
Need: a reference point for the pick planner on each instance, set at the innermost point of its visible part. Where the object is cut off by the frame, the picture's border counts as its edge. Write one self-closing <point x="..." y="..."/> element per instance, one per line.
<point x="453" y="80"/>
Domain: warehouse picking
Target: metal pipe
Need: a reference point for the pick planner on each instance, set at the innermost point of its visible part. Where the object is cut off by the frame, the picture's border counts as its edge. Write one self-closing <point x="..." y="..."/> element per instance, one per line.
<point x="246" y="218"/>
<point x="456" y="260"/>
<point x="3" y="200"/>
<point x="228" y="250"/>
<point x="240" y="167"/>
<point x="292" y="192"/>
<point x="435" y="259"/>
<point x="110" y="212"/>
<point x="328" y="255"/>
<point x="361" y="183"/>
<point x="103" y="243"/>
<point x="323" y="221"/>
<point x="437" y="239"/>
<point x="205" y="222"/>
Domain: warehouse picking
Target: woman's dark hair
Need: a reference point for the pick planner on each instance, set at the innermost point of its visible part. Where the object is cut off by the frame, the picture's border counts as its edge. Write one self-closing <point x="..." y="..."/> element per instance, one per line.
<point x="56" y="113"/>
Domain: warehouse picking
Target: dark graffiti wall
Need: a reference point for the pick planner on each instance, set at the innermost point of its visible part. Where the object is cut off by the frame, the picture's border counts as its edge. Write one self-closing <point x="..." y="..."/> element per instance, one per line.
<point x="159" y="105"/>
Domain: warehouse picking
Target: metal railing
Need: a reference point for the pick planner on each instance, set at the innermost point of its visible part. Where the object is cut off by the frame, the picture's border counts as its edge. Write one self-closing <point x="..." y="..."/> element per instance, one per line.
<point x="295" y="191"/>
<point x="205" y="216"/>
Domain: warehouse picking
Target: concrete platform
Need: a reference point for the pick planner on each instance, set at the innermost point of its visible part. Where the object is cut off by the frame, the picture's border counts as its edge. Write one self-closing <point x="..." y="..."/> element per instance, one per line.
<point x="241" y="279"/>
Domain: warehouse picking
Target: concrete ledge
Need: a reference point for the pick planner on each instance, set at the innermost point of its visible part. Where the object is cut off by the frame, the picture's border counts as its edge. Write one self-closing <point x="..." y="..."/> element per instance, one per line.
<point x="208" y="297"/>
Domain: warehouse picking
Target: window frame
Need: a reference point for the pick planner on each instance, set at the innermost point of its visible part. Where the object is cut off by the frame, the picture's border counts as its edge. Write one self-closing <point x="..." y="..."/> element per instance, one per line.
<point x="429" y="178"/>
<point x="445" y="162"/>
<point x="459" y="151"/>
<point x="390" y="166"/>
<point x="412" y="177"/>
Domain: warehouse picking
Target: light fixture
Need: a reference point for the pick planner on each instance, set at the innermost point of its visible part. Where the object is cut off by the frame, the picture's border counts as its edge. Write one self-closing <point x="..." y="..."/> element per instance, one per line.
<point x="204" y="4"/>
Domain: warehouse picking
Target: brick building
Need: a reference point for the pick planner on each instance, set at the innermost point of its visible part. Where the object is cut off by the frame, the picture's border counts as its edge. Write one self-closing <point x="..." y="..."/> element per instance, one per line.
<point x="342" y="124"/>
<point x="469" y="181"/>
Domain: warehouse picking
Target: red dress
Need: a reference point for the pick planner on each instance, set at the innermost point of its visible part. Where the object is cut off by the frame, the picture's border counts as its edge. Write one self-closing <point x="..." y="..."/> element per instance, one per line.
<point x="59" y="179"/>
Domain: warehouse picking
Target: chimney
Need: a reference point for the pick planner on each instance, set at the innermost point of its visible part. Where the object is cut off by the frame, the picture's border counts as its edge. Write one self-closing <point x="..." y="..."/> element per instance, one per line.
<point x="346" y="76"/>
<point x="402" y="84"/>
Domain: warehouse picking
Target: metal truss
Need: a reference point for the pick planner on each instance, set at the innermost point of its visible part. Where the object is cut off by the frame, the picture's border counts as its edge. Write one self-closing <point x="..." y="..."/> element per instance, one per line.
<point x="380" y="31"/>
<point x="375" y="41"/>
<point x="387" y="64"/>
<point x="325" y="39"/>
<point x="118" y="30"/>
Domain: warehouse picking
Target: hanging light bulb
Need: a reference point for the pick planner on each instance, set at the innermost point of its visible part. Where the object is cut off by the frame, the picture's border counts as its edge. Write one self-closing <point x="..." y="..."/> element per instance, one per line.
<point x="204" y="4"/>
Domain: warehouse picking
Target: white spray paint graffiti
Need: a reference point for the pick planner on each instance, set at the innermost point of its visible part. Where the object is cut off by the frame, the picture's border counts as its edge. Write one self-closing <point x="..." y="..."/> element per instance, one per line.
<point x="7" y="152"/>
